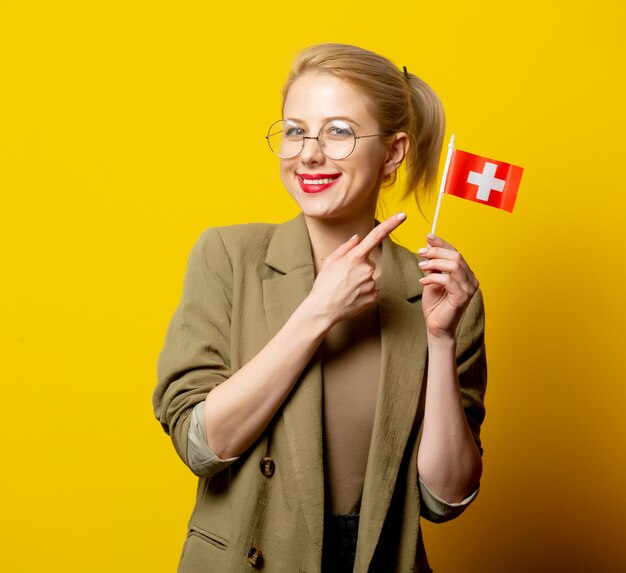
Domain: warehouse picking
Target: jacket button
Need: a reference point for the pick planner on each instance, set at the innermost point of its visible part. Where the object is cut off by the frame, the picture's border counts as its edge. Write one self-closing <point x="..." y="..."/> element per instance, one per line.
<point x="255" y="557"/>
<point x="268" y="467"/>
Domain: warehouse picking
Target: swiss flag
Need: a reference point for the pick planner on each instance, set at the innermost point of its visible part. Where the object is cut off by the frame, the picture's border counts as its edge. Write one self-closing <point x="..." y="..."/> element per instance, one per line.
<point x="483" y="180"/>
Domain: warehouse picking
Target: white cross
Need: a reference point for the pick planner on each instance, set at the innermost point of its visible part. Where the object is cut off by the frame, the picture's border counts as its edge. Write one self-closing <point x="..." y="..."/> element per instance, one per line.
<point x="486" y="181"/>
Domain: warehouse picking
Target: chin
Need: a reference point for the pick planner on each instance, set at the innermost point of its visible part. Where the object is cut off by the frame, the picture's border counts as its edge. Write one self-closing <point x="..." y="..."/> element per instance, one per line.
<point x="319" y="212"/>
<point x="329" y="213"/>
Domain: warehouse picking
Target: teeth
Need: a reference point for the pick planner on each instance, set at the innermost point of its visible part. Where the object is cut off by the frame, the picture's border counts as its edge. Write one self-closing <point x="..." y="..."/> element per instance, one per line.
<point x="318" y="181"/>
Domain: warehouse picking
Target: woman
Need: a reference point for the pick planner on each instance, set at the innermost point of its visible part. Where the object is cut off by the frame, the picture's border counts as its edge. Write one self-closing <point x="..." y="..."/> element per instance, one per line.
<point x="326" y="384"/>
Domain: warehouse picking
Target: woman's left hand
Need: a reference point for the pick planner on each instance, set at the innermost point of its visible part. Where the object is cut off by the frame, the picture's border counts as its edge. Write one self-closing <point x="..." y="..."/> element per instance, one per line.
<point x="449" y="285"/>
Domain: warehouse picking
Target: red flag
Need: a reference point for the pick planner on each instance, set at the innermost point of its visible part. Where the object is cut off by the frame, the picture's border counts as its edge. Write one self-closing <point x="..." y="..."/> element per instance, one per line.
<point x="483" y="180"/>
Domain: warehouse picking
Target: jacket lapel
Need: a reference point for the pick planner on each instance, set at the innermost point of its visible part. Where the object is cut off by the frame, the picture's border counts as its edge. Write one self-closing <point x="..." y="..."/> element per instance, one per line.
<point x="289" y="255"/>
<point x="403" y="352"/>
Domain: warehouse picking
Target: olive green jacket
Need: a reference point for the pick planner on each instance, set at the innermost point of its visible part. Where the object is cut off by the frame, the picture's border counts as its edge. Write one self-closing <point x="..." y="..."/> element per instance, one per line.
<point x="242" y="284"/>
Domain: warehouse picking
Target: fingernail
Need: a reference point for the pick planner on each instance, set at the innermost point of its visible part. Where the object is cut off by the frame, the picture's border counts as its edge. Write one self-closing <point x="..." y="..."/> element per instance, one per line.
<point x="431" y="237"/>
<point x="422" y="263"/>
<point x="353" y="237"/>
<point x="422" y="251"/>
<point x="401" y="216"/>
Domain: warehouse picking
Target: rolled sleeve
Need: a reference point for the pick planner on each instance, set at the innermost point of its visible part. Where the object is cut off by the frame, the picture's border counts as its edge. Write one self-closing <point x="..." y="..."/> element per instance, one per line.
<point x="196" y="352"/>
<point x="437" y="510"/>
<point x="202" y="459"/>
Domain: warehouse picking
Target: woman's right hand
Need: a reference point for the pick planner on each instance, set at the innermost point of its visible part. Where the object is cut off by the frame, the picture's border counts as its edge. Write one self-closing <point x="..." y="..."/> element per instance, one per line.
<point x="345" y="284"/>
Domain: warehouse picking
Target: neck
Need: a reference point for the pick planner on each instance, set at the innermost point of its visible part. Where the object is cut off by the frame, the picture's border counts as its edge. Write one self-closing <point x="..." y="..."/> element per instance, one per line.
<point x="327" y="234"/>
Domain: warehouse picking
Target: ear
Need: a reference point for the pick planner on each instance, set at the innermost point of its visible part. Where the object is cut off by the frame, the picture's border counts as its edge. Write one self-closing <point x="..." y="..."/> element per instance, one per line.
<point x="396" y="152"/>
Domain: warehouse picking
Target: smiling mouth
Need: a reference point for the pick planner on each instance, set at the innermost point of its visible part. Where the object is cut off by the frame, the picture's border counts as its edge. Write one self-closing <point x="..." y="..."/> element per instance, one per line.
<point x="317" y="183"/>
<point x="324" y="181"/>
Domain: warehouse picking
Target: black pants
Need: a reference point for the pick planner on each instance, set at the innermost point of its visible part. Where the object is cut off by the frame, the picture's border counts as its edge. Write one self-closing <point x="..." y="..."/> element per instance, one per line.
<point x="340" y="537"/>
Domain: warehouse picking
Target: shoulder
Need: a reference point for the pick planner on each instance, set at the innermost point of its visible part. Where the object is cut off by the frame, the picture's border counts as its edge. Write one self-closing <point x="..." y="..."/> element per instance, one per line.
<point x="283" y="246"/>
<point x="232" y="236"/>
<point x="235" y="242"/>
<point x="226" y="257"/>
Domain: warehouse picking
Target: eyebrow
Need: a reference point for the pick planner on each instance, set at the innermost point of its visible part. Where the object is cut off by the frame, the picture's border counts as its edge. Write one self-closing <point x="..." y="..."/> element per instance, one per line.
<point x="326" y="119"/>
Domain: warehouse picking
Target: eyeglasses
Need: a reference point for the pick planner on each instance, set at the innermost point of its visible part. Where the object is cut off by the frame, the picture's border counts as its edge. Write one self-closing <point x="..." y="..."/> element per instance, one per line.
<point x="336" y="139"/>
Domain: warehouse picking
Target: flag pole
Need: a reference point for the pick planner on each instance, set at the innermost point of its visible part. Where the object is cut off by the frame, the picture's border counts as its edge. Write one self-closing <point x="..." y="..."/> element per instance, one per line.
<point x="443" y="182"/>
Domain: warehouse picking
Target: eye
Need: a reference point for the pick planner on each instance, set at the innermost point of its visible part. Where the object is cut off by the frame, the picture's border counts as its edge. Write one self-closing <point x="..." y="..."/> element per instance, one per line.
<point x="338" y="130"/>
<point x="293" y="131"/>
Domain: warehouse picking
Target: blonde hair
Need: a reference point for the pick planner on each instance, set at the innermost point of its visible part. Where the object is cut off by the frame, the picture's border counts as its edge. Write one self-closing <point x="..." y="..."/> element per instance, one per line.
<point x="397" y="101"/>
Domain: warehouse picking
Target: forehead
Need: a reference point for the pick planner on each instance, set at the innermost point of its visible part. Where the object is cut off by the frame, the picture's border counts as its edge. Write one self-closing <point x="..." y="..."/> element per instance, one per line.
<point x="314" y="98"/>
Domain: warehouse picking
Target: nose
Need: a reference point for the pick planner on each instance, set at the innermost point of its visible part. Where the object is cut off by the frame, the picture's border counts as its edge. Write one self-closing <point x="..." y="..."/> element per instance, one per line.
<point x="312" y="151"/>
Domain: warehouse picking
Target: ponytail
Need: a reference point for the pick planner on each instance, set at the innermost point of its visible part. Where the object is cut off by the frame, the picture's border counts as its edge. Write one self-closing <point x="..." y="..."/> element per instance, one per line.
<point x="426" y="135"/>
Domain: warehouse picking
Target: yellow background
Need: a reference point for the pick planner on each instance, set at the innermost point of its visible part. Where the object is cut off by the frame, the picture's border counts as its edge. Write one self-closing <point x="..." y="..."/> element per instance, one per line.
<point x="126" y="128"/>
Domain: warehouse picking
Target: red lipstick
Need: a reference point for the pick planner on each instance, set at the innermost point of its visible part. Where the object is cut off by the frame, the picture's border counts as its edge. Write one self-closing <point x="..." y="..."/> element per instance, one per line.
<point x="317" y="182"/>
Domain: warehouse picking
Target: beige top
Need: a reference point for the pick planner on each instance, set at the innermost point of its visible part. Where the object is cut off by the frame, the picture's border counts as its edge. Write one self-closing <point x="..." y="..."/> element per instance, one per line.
<point x="351" y="376"/>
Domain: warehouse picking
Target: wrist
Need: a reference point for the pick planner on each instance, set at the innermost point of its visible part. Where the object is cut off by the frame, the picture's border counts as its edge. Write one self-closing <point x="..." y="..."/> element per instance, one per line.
<point x="315" y="320"/>
<point x="441" y="343"/>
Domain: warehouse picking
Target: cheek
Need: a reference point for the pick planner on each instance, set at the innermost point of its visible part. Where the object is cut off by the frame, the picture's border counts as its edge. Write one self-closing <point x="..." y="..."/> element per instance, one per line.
<point x="287" y="166"/>
<point x="287" y="170"/>
<point x="370" y="168"/>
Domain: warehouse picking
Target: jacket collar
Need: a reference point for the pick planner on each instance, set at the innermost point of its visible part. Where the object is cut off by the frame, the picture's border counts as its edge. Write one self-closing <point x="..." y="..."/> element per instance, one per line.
<point x="290" y="248"/>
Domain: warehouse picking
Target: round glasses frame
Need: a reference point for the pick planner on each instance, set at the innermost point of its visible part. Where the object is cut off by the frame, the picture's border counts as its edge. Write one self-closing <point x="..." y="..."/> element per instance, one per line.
<point x="317" y="138"/>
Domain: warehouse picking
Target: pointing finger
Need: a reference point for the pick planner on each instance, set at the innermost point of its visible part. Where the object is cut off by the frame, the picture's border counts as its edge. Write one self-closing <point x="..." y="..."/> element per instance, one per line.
<point x="378" y="234"/>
